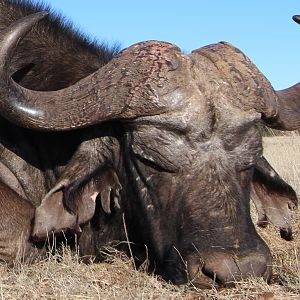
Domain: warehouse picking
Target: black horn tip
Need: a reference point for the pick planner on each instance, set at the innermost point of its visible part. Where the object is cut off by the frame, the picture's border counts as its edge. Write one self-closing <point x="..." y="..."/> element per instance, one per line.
<point x="296" y="18"/>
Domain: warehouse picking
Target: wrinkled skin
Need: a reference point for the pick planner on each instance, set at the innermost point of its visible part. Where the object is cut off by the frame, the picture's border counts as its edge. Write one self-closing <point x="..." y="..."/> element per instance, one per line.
<point x="185" y="154"/>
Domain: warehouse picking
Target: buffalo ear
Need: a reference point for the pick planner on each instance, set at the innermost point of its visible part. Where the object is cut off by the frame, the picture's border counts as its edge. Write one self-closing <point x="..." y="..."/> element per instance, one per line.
<point x="273" y="197"/>
<point x="51" y="217"/>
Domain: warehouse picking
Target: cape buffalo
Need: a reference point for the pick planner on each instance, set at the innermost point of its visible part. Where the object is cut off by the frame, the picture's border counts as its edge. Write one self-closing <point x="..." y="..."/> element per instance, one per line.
<point x="172" y="138"/>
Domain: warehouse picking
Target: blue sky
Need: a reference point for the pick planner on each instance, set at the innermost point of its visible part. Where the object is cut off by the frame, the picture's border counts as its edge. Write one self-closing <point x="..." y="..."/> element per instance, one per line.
<point x="262" y="29"/>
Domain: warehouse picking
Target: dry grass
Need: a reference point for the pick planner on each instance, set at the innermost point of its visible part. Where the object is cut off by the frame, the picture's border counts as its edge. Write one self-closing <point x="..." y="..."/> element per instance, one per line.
<point x="65" y="277"/>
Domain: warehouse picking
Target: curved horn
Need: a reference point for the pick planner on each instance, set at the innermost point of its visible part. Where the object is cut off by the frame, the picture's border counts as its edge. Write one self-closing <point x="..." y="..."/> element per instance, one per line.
<point x="131" y="85"/>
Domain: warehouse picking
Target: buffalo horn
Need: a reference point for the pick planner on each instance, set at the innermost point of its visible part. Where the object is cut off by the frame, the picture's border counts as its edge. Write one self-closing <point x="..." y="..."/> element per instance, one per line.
<point x="122" y="89"/>
<point x="129" y="86"/>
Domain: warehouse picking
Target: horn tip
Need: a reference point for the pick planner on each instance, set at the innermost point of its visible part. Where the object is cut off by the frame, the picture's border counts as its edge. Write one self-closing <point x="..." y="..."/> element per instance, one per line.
<point x="43" y="14"/>
<point x="296" y="18"/>
<point x="38" y="16"/>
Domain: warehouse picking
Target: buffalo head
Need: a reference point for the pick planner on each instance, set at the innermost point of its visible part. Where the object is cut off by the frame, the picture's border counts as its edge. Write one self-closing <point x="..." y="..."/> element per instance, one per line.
<point x="188" y="146"/>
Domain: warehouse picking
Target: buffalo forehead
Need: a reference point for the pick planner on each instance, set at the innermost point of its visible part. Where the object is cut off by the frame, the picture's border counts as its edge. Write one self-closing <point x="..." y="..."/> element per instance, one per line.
<point x="172" y="150"/>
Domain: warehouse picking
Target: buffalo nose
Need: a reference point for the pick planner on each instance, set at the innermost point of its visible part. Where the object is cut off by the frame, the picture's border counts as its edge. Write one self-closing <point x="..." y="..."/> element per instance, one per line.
<point x="224" y="269"/>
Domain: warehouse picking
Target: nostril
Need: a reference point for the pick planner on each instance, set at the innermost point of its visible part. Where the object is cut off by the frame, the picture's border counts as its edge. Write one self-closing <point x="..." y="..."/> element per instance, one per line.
<point x="224" y="269"/>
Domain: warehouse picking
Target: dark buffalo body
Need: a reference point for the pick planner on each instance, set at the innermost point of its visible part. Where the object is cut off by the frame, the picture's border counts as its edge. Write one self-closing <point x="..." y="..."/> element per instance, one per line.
<point x="152" y="148"/>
